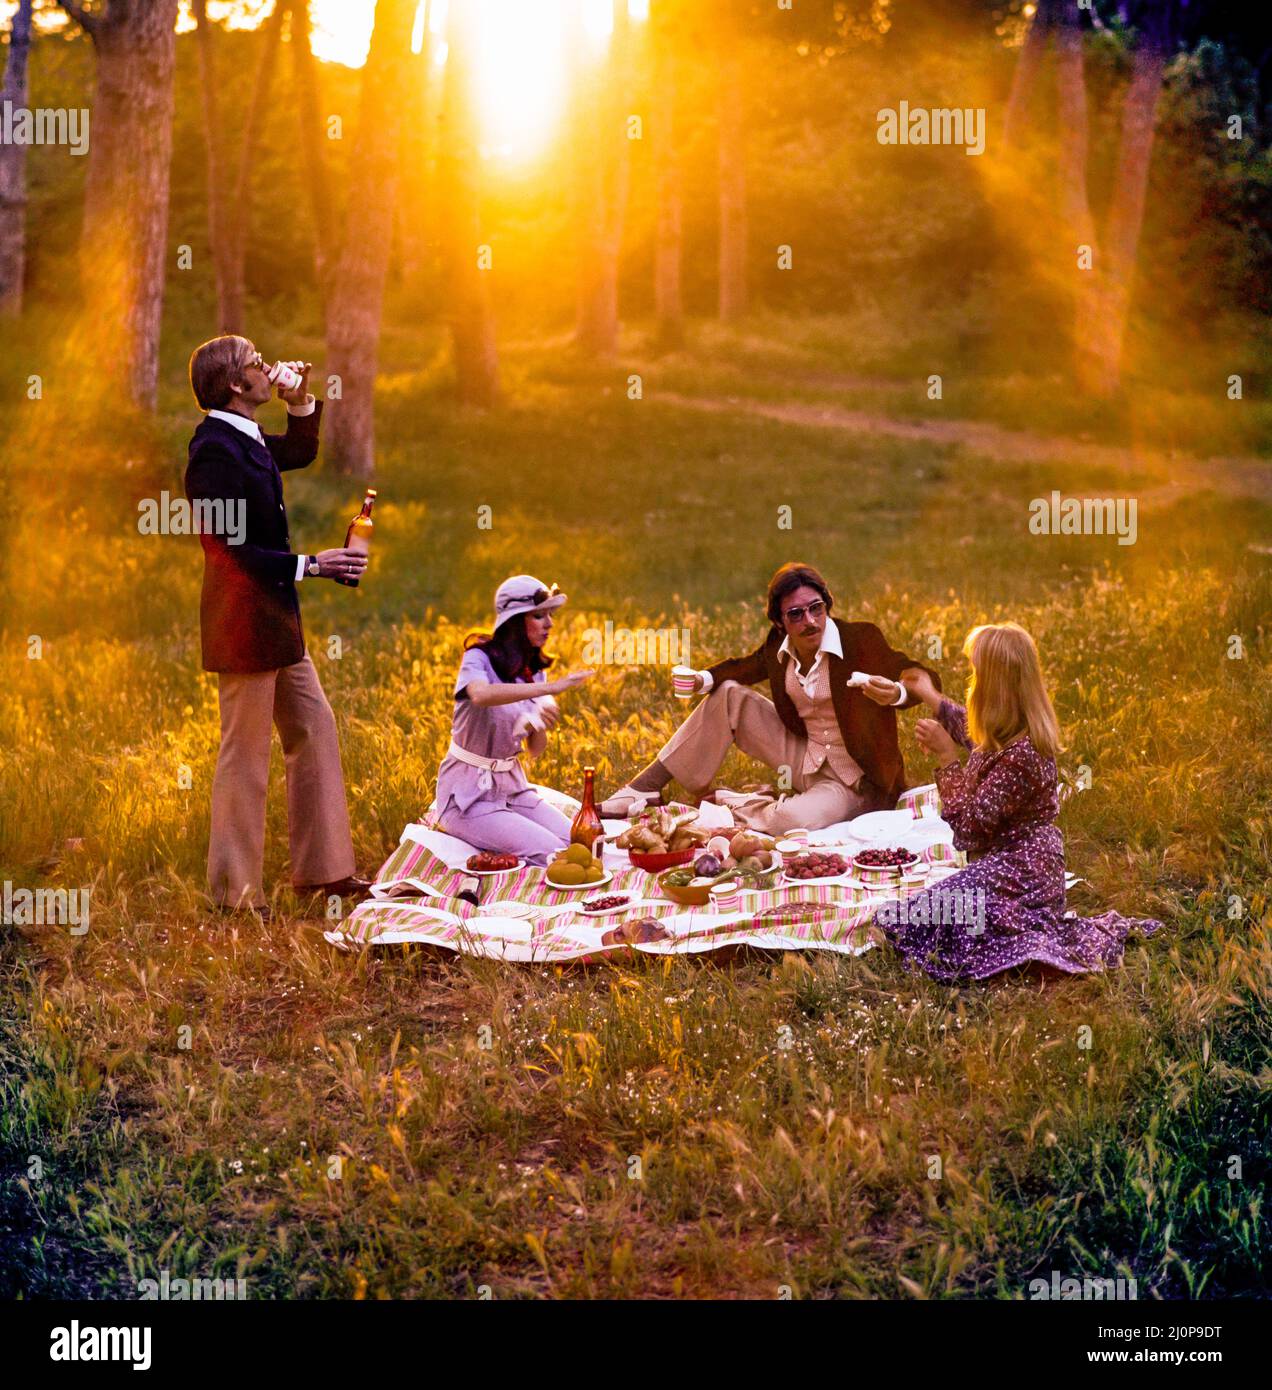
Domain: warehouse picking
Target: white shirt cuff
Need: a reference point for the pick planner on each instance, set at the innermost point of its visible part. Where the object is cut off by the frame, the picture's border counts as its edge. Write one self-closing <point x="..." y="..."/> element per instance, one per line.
<point x="301" y="562"/>
<point x="306" y="409"/>
<point x="901" y="697"/>
<point x="708" y="680"/>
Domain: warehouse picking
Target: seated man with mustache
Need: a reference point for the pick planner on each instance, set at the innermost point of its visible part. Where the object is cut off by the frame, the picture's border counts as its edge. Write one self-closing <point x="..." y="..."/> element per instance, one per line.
<point x="834" y="743"/>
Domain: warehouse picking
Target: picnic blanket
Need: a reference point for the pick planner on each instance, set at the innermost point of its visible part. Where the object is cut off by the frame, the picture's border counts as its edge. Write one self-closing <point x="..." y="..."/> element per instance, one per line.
<point x="524" y="918"/>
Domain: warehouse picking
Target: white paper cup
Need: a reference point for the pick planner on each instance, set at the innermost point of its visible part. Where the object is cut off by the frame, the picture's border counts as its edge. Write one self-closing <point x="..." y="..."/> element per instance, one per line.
<point x="683" y="681"/>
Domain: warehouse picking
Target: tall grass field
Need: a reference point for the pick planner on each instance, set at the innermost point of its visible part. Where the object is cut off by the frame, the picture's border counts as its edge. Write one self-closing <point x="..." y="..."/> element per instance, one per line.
<point x="216" y="1097"/>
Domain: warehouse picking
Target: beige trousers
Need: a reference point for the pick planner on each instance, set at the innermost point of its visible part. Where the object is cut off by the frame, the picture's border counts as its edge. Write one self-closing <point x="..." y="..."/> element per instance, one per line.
<point x="735" y="714"/>
<point x="317" y="818"/>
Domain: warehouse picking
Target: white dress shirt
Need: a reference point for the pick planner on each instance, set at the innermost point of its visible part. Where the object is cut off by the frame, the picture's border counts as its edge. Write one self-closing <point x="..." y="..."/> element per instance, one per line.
<point x="253" y="431"/>
<point x="830" y="642"/>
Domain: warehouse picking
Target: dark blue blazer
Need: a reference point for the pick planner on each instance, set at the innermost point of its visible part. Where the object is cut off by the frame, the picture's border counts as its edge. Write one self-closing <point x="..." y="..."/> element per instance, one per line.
<point x="249" y="612"/>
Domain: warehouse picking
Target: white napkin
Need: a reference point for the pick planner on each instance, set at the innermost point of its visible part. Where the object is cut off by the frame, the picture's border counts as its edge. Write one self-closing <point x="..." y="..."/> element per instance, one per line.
<point x="531" y="722"/>
<point x="452" y="851"/>
<point x="715" y="817"/>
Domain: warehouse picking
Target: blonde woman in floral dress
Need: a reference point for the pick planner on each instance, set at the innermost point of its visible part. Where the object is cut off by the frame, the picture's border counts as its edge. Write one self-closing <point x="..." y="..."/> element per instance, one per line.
<point x="1002" y="804"/>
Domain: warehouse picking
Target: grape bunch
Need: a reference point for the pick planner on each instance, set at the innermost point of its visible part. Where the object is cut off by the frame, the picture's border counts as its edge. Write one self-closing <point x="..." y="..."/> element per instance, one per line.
<point x="815" y="865"/>
<point x="606" y="904"/>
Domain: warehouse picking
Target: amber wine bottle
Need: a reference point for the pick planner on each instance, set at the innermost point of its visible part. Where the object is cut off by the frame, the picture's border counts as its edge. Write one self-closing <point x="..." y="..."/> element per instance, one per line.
<point x="359" y="534"/>
<point x="587" y="828"/>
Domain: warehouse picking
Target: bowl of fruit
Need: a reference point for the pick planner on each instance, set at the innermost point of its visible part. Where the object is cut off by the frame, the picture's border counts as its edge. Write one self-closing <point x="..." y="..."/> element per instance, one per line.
<point x="884" y="865"/>
<point x="661" y="839"/>
<point x="489" y="862"/>
<point x="750" y="861"/>
<point x="813" y="867"/>
<point x="575" y="867"/>
<point x="604" y="905"/>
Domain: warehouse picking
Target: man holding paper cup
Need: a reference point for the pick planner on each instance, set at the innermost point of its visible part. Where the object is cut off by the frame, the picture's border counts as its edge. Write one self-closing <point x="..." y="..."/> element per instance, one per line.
<point x="830" y="729"/>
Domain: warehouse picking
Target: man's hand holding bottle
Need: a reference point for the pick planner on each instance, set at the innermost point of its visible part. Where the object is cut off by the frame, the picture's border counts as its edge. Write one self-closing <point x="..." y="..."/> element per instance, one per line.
<point x="340" y="563"/>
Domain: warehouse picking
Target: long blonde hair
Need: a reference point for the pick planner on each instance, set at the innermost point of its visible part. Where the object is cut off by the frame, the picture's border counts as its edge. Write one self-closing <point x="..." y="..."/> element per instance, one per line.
<point x="1006" y="696"/>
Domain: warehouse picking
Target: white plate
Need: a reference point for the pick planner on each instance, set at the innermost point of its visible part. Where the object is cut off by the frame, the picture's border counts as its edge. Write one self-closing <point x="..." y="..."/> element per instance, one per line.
<point x="885" y="871"/>
<point x="575" y="887"/>
<point x="609" y="911"/>
<point x="830" y="878"/>
<point x="527" y="911"/>
<point x="493" y="925"/>
<point x="788" y="882"/>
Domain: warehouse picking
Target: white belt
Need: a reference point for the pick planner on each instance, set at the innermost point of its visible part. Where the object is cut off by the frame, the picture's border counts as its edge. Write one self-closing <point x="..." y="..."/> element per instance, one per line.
<point x="489" y="766"/>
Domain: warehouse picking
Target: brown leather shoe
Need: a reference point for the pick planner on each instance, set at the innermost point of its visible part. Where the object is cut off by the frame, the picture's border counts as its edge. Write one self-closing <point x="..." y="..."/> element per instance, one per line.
<point x="264" y="912"/>
<point x="351" y="887"/>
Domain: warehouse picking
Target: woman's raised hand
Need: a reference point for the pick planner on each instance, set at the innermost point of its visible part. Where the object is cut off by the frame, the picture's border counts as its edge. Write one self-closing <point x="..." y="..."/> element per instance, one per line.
<point x="933" y="738"/>
<point x="569" y="681"/>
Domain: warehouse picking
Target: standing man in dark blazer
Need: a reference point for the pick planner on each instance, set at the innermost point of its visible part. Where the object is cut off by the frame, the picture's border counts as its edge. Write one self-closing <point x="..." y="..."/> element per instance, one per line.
<point x="252" y="637"/>
<point x="834" y="736"/>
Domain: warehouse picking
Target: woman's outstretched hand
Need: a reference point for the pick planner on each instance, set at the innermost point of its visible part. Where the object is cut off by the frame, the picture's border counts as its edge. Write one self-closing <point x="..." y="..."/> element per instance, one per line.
<point x="934" y="739"/>
<point x="569" y="681"/>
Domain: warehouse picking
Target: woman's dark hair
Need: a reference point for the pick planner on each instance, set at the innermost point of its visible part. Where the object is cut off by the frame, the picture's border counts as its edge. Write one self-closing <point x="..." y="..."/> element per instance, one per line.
<point x="510" y="651"/>
<point x="789" y="578"/>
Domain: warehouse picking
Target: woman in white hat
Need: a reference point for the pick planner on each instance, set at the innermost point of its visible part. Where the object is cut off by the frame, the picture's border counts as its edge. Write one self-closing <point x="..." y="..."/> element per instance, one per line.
<point x="504" y="707"/>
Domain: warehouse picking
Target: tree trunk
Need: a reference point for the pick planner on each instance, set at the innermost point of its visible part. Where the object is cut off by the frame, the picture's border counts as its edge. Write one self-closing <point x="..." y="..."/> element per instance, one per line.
<point x="317" y="179"/>
<point x="227" y="272"/>
<point x="605" y="176"/>
<point x="412" y="215"/>
<point x="471" y="320"/>
<point x="1074" y="137"/>
<point x="732" y="173"/>
<point x="668" y="304"/>
<point x="13" y="197"/>
<point x="239" y="219"/>
<point x="1077" y="227"/>
<point x="124" y="239"/>
<point x="1100" y="364"/>
<point x="356" y="303"/>
<point x="1024" y="79"/>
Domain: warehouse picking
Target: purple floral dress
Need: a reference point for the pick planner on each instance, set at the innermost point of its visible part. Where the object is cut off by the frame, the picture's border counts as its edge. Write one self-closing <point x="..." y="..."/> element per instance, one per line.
<point x="1007" y="907"/>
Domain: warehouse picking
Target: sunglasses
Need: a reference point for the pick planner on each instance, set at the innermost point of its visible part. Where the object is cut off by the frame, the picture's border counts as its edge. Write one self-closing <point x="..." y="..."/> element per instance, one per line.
<point x="814" y="610"/>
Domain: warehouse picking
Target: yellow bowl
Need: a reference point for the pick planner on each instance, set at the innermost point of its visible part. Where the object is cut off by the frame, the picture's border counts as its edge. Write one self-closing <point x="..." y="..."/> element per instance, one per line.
<point x="685" y="896"/>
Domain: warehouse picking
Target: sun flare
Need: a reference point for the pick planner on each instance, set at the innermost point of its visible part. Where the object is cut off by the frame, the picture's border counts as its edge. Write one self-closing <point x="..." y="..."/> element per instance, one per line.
<point x="522" y="57"/>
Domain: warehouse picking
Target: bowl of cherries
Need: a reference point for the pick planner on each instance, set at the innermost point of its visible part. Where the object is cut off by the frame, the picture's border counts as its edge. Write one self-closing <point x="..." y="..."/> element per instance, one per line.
<point x="602" y="907"/>
<point x="884" y="864"/>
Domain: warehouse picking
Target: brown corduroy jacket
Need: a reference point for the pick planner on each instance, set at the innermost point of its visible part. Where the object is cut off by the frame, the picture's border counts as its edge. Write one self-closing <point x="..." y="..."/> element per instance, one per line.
<point x="869" y="730"/>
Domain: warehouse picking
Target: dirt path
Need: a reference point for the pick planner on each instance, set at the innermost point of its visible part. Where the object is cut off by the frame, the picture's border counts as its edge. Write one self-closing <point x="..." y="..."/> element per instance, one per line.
<point x="1181" y="475"/>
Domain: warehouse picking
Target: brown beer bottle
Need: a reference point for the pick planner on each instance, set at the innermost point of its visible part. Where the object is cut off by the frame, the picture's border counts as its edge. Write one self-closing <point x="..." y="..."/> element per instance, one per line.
<point x="358" y="536"/>
<point x="586" y="828"/>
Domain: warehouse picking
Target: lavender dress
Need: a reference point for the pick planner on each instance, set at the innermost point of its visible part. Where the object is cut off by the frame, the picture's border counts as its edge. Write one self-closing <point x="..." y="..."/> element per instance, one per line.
<point x="494" y="810"/>
<point x="1007" y="907"/>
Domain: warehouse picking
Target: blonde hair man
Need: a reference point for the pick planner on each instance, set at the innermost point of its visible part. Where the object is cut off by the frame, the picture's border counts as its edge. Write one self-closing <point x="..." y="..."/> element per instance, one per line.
<point x="251" y="631"/>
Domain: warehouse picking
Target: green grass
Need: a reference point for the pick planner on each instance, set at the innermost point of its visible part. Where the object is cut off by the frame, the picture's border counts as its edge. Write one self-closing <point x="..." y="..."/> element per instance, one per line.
<point x="761" y="1164"/>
